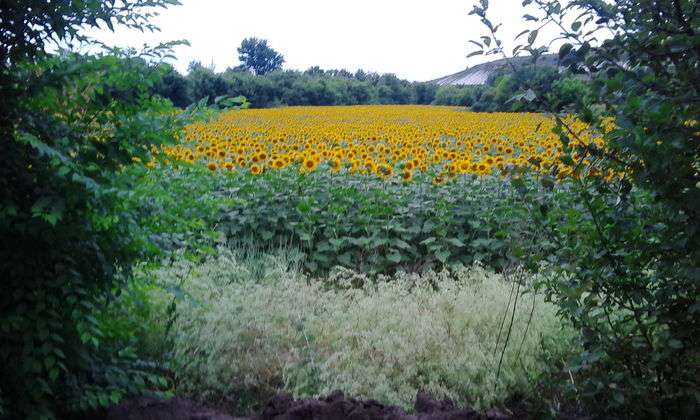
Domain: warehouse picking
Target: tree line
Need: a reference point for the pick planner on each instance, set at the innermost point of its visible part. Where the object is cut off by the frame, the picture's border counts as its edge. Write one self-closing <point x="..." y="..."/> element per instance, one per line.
<point x="317" y="86"/>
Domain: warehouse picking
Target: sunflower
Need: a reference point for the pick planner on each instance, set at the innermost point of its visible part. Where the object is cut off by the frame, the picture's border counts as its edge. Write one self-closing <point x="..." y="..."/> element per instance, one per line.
<point x="407" y="175"/>
<point x="309" y="164"/>
<point x="256" y="169"/>
<point x="464" y="166"/>
<point x="385" y="170"/>
<point x="211" y="166"/>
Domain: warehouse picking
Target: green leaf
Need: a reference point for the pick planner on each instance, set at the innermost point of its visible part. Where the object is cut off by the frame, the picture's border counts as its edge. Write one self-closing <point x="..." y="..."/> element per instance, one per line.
<point x="522" y="33"/>
<point x="401" y="244"/>
<point x="443" y="255"/>
<point x="456" y="242"/>
<point x="394" y="256"/>
<point x="532" y="37"/>
<point x="675" y="344"/>
<point x="345" y="259"/>
<point x="428" y="241"/>
<point x="564" y="50"/>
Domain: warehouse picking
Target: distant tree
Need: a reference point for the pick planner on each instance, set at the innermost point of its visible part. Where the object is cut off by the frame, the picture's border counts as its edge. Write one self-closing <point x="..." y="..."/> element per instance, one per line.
<point x="239" y="69"/>
<point x="258" y="57"/>
<point x="194" y="65"/>
<point x="361" y="92"/>
<point x="392" y="90"/>
<point x="343" y="73"/>
<point x="173" y="86"/>
<point x="205" y="82"/>
<point x="425" y="92"/>
<point x="314" y="71"/>
<point x="456" y="95"/>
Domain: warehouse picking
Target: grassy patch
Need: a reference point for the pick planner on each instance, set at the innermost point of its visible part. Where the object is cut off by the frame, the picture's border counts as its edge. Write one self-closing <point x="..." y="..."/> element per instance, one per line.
<point x="249" y="325"/>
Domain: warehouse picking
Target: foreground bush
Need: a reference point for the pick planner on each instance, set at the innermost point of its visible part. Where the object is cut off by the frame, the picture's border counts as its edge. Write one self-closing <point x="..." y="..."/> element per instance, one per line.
<point x="69" y="123"/>
<point x="631" y="247"/>
<point x="247" y="328"/>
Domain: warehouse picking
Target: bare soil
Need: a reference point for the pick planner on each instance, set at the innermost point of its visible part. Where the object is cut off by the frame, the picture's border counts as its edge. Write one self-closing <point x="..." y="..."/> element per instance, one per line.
<point x="284" y="407"/>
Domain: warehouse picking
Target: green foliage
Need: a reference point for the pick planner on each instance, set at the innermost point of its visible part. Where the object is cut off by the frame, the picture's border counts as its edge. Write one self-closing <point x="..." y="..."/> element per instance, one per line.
<point x="504" y="84"/>
<point x="68" y="126"/>
<point x="311" y="87"/>
<point x="249" y="326"/>
<point x="203" y="82"/>
<point x="179" y="210"/>
<point x="628" y="251"/>
<point x="457" y="95"/>
<point x="28" y="25"/>
<point x="173" y="86"/>
<point x="569" y="93"/>
<point x="256" y="56"/>
<point x="371" y="225"/>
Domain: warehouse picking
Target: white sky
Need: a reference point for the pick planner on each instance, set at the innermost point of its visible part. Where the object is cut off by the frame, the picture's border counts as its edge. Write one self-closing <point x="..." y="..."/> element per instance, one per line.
<point x="415" y="39"/>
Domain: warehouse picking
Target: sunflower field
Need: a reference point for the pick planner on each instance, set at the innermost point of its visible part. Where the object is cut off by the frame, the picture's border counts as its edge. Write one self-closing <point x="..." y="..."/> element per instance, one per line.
<point x="388" y="142"/>
<point x="372" y="188"/>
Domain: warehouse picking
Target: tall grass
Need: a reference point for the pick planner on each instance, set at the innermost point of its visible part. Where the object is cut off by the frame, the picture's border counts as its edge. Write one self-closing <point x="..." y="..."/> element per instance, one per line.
<point x="252" y="324"/>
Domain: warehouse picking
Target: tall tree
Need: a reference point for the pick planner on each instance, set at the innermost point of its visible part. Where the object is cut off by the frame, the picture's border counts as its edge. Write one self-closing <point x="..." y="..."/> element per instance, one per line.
<point x="258" y="57"/>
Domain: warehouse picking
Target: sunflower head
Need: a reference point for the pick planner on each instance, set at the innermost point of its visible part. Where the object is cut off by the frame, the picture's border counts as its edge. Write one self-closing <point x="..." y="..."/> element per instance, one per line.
<point x="309" y="164"/>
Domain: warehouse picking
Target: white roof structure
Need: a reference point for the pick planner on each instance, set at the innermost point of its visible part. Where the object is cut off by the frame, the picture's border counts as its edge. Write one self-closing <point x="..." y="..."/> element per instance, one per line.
<point x="479" y="74"/>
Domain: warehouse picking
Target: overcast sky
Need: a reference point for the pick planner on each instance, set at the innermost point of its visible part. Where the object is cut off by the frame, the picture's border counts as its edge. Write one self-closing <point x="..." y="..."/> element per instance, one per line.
<point x="415" y="39"/>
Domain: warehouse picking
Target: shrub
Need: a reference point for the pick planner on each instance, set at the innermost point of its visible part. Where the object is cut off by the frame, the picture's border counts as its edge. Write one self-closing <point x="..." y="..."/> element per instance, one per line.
<point x="251" y="326"/>
<point x="456" y="95"/>
<point x="628" y="249"/>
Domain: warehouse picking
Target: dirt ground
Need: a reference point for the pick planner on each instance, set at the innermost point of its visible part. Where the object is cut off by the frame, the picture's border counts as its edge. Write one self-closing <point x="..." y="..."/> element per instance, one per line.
<point x="284" y="407"/>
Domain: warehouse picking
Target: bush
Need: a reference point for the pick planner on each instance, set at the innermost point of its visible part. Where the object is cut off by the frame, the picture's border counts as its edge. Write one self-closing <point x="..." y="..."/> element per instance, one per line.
<point x="628" y="249"/>
<point x="456" y="95"/>
<point x="569" y="92"/>
<point x="83" y="118"/>
<point x="249" y="326"/>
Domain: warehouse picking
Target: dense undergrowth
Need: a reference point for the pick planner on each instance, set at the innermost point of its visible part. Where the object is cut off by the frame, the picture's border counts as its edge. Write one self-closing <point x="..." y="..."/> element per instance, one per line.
<point x="354" y="221"/>
<point x="248" y="324"/>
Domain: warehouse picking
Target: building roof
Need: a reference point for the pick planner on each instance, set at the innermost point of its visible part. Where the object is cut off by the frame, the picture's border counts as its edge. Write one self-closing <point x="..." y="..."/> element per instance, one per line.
<point x="479" y="74"/>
